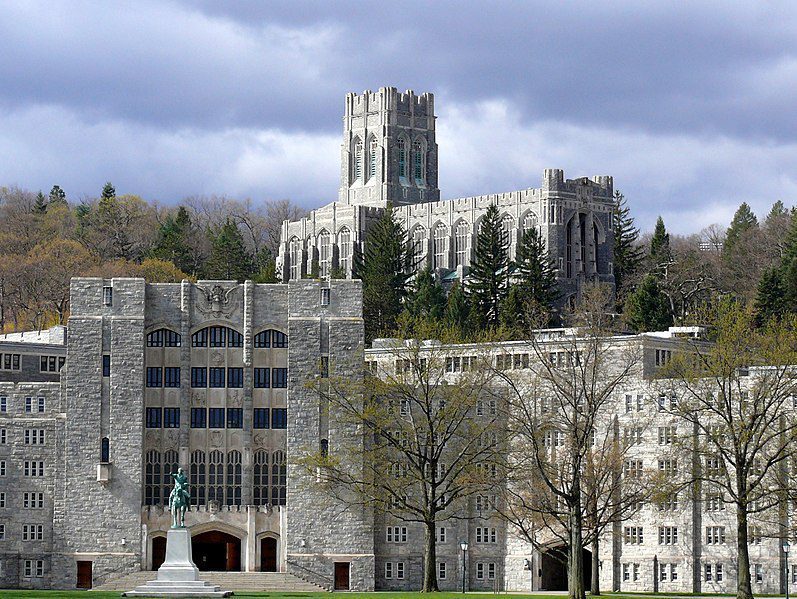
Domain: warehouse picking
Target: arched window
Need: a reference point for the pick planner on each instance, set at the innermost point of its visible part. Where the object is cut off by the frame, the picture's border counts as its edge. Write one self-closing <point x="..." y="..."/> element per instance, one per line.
<point x="260" y="481"/>
<point x="163" y="337"/>
<point x="271" y="338"/>
<point x="373" y="148"/>
<point x="198" y="477"/>
<point x="344" y="249"/>
<point x="324" y="253"/>
<point x="508" y="225"/>
<point x="419" y="242"/>
<point x="529" y="222"/>
<point x="105" y="450"/>
<point x="171" y="463"/>
<point x="234" y="478"/>
<point x="461" y="239"/>
<point x="440" y="246"/>
<point x="417" y="161"/>
<point x="217" y="337"/>
<point x="152" y="478"/>
<point x="279" y="478"/>
<point x="295" y="257"/>
<point x="357" y="174"/>
<point x="402" y="162"/>
<point x="216" y="477"/>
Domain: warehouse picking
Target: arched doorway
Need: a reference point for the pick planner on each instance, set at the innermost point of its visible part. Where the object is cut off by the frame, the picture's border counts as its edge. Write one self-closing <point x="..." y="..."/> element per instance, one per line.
<point x="553" y="568"/>
<point x="268" y="554"/>
<point x="158" y="552"/>
<point x="217" y="551"/>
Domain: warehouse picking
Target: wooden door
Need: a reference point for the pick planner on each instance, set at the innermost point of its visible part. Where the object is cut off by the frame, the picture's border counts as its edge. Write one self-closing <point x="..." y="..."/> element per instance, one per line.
<point x="342" y="576"/>
<point x="268" y="555"/>
<point x="84" y="575"/>
<point x="158" y="552"/>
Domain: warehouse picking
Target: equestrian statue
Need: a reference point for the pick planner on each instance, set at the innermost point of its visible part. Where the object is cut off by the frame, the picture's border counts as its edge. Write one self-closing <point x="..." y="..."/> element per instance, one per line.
<point x="179" y="499"/>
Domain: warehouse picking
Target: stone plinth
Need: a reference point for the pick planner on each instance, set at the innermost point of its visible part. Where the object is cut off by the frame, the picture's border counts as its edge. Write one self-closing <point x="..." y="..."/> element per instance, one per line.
<point x="178" y="576"/>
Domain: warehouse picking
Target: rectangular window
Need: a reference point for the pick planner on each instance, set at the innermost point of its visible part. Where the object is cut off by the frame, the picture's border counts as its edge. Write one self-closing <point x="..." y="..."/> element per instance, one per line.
<point x="217" y="377"/>
<point x="709" y="577"/>
<point x="633" y="535"/>
<point x="217" y="336"/>
<point x="3" y="436"/>
<point x="34" y="468"/>
<point x="33" y="568"/>
<point x="171" y="417"/>
<point x="199" y="377"/>
<point x="715" y="535"/>
<point x="171" y="376"/>
<point x="262" y="378"/>
<point x="235" y="417"/>
<point x="2" y="499"/>
<point x="28" y="405"/>
<point x="3" y="405"/>
<point x="261" y="418"/>
<point x="441" y="534"/>
<point x="626" y="572"/>
<point x="441" y="570"/>
<point x="154" y="417"/>
<point x="718" y="572"/>
<point x="33" y="501"/>
<point x="200" y="338"/>
<point x="199" y="418"/>
<point x="2" y="467"/>
<point x="279" y="418"/>
<point x="40" y="404"/>
<point x="216" y="417"/>
<point x="491" y="571"/>
<point x="400" y="570"/>
<point x="479" y="571"/>
<point x="32" y="532"/>
<point x="388" y="569"/>
<point x="235" y="377"/>
<point x="106" y="365"/>
<point x="34" y="436"/>
<point x="279" y="378"/>
<point x="107" y="296"/>
<point x="154" y="376"/>
<point x="759" y="572"/>
<point x="325" y="297"/>
<point x="668" y="535"/>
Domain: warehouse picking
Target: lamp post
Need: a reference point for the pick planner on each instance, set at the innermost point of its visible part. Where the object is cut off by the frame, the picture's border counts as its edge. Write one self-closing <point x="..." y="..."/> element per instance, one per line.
<point x="464" y="546"/>
<point x="786" y="553"/>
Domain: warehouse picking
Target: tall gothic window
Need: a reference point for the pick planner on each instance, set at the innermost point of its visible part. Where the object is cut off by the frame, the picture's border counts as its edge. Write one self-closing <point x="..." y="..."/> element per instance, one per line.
<point x="216" y="477"/>
<point x="417" y="161"/>
<point x="152" y="478"/>
<point x="198" y="477"/>
<point x="344" y="248"/>
<point x="358" y="160"/>
<point x="440" y="246"/>
<point x="461" y="238"/>
<point x="508" y="225"/>
<point x="260" y="481"/>
<point x="171" y="463"/>
<point x="419" y="243"/>
<point x="324" y="253"/>
<point x="402" y="164"/>
<point x="234" y="478"/>
<point x="373" y="148"/>
<point x="279" y="478"/>
<point x="529" y="222"/>
<point x="295" y="257"/>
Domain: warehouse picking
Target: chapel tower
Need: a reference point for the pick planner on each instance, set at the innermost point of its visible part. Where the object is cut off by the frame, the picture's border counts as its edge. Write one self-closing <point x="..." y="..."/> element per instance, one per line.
<point x="389" y="152"/>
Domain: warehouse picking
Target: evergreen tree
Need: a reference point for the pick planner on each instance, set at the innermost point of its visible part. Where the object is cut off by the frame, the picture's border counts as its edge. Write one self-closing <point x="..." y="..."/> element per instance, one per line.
<point x="40" y="207"/>
<point x="533" y="271"/>
<point x="647" y="308"/>
<point x="628" y="255"/>
<point x="514" y="312"/>
<point x="457" y="309"/>
<point x="229" y="259"/>
<point x="660" y="254"/>
<point x="489" y="270"/>
<point x="427" y="300"/>
<point x="771" y="297"/>
<point x="384" y="269"/>
<point x="777" y="211"/>
<point x="743" y="221"/>
<point x="57" y="195"/>
<point x="173" y="241"/>
<point x="108" y="191"/>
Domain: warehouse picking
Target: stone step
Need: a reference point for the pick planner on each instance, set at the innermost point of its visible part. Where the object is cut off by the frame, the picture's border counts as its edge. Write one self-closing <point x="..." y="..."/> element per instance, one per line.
<point x="232" y="581"/>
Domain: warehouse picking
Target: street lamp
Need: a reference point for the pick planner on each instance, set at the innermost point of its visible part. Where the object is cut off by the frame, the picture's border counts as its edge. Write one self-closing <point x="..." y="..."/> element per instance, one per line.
<point x="464" y="546"/>
<point x="786" y="553"/>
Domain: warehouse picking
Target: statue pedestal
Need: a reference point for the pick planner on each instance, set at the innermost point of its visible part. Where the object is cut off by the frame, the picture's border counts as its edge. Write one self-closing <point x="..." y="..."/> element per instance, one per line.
<point x="178" y="576"/>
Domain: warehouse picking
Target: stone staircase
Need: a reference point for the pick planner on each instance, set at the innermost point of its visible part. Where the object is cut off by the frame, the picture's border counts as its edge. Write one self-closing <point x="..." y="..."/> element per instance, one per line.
<point x="228" y="581"/>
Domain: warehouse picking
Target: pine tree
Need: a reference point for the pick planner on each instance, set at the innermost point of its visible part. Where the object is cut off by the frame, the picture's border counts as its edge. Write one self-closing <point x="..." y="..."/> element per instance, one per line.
<point x="777" y="211"/>
<point x="489" y="270"/>
<point x="229" y="259"/>
<point x="628" y="254"/>
<point x="457" y="309"/>
<point x="108" y="191"/>
<point x="771" y="296"/>
<point x="660" y="254"/>
<point x="427" y="300"/>
<point x="57" y="195"/>
<point x="647" y="308"/>
<point x="173" y="241"/>
<point x="533" y="271"/>
<point x="384" y="269"/>
<point x="743" y="221"/>
<point x="40" y="207"/>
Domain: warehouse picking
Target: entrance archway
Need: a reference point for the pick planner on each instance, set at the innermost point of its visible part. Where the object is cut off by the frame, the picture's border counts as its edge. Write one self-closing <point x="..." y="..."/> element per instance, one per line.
<point x="553" y="568"/>
<point x="217" y="551"/>
<point x="158" y="552"/>
<point x="268" y="554"/>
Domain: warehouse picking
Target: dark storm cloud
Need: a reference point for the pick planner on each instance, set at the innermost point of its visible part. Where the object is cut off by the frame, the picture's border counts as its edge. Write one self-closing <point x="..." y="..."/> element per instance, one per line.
<point x="688" y="105"/>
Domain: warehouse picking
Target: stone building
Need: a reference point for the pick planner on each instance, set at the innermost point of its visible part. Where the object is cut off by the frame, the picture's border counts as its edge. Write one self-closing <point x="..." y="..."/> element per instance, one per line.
<point x="389" y="155"/>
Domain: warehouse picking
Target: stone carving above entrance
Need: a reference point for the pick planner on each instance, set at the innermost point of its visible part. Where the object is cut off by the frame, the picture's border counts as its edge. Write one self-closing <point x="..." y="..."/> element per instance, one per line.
<point x="216" y="300"/>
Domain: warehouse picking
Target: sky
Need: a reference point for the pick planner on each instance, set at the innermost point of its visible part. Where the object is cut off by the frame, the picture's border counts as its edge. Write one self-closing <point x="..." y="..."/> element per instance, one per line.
<point x="690" y="106"/>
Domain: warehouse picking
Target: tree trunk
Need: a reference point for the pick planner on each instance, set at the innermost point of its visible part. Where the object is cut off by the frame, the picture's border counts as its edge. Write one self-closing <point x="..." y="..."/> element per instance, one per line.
<point x="744" y="589"/>
<point x="575" y="554"/>
<point x="595" y="586"/>
<point x="430" y="560"/>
